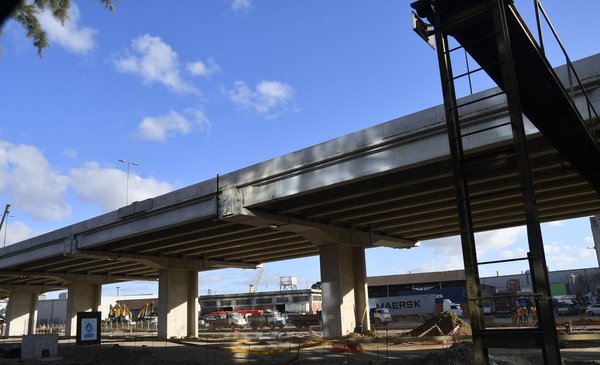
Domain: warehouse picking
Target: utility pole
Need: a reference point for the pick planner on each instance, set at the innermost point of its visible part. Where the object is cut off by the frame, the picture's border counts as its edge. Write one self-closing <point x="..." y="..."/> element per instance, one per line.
<point x="127" y="189"/>
<point x="4" y="217"/>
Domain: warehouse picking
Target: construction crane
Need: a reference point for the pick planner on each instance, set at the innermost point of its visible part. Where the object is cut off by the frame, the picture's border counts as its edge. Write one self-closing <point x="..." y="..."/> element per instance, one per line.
<point x="4" y="215"/>
<point x="254" y="287"/>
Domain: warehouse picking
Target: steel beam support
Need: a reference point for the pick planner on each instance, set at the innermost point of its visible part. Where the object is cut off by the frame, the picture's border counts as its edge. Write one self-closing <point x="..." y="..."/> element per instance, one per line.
<point x="595" y="224"/>
<point x="545" y="336"/>
<point x="467" y="233"/>
<point x="537" y="257"/>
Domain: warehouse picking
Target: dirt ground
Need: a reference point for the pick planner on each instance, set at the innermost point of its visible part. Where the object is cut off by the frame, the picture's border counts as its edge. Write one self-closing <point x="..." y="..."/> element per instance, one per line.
<point x="267" y="349"/>
<point x="443" y="339"/>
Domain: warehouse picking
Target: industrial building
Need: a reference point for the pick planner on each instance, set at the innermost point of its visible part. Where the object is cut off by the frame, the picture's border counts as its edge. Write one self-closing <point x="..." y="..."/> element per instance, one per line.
<point x="561" y="281"/>
<point x="444" y="284"/>
<point x="451" y="285"/>
<point x="289" y="301"/>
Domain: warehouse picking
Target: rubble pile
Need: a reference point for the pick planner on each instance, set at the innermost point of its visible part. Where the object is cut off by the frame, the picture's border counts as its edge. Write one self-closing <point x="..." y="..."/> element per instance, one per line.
<point x="442" y="324"/>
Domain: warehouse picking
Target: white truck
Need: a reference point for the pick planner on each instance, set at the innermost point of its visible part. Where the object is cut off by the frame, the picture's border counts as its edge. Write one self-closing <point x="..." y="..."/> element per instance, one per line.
<point x="455" y="308"/>
<point x="380" y="316"/>
<point x="225" y="320"/>
<point x="271" y="319"/>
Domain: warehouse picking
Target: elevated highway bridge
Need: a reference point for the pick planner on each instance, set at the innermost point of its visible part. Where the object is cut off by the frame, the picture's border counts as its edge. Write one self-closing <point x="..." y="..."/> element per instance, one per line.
<point x="388" y="185"/>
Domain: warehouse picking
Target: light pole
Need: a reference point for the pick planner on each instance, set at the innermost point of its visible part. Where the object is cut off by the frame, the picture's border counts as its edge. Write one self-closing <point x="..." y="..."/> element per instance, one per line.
<point x="118" y="287"/>
<point x="127" y="190"/>
<point x="6" y="228"/>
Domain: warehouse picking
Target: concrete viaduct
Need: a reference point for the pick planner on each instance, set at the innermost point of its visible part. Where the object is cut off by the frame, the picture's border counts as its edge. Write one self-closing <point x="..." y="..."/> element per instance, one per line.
<point x="388" y="185"/>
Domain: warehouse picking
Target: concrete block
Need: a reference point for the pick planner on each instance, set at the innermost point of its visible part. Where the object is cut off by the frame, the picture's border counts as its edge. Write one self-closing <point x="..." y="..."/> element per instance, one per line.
<point x="39" y="346"/>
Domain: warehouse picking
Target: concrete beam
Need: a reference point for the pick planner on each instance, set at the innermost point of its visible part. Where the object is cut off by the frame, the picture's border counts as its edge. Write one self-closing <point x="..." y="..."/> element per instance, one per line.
<point x="10" y="288"/>
<point x="162" y="262"/>
<point x="70" y="278"/>
<point x="191" y="203"/>
<point x="410" y="140"/>
<point x="320" y="233"/>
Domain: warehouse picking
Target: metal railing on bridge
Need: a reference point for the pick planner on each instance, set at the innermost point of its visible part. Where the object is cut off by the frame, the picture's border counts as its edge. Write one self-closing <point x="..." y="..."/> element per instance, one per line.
<point x="573" y="81"/>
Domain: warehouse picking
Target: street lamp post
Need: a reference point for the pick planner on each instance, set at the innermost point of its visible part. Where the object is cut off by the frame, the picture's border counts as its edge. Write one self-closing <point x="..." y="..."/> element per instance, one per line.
<point x="6" y="228"/>
<point x="127" y="189"/>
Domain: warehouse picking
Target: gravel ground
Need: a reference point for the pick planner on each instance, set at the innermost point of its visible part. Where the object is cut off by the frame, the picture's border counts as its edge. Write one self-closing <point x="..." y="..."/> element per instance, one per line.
<point x="389" y="346"/>
<point x="149" y="351"/>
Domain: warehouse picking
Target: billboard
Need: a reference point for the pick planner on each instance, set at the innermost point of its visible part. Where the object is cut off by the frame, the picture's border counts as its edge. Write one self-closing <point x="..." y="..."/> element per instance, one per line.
<point x="88" y="328"/>
<point x="408" y="304"/>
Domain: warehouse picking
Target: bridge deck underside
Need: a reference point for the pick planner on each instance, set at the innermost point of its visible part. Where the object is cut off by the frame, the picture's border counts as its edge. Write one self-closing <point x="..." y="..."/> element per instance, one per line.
<point x="202" y="240"/>
<point x="420" y="203"/>
<point x="416" y="203"/>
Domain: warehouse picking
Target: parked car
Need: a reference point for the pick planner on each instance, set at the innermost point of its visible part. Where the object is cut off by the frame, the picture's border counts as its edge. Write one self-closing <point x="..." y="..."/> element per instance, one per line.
<point x="565" y="309"/>
<point x="593" y="309"/>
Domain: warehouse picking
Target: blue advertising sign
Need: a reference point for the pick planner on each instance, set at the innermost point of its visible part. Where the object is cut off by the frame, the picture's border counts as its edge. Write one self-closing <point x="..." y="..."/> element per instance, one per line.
<point x="88" y="328"/>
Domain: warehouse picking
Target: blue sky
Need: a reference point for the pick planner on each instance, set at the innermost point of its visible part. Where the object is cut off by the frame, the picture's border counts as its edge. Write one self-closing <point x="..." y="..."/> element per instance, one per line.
<point x="201" y="88"/>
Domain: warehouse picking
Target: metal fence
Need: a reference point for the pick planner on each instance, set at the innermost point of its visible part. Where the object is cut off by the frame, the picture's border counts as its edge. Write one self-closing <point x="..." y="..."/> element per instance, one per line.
<point x="142" y="326"/>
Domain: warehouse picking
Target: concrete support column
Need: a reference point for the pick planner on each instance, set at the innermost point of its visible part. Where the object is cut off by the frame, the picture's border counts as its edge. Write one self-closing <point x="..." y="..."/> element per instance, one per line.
<point x="361" y="292"/>
<point x="81" y="297"/>
<point x="345" y="297"/>
<point x="177" y="304"/>
<point x="21" y="313"/>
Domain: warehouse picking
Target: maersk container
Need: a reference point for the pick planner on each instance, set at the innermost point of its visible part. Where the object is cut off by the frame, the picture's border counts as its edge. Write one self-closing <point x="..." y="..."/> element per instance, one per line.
<point x="409" y="304"/>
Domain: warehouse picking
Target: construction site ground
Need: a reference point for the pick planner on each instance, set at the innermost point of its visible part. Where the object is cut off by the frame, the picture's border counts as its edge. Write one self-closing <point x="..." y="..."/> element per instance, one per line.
<point x="390" y="345"/>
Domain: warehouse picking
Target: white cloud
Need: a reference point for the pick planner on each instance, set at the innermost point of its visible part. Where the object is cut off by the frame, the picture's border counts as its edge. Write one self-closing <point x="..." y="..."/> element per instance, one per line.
<point x="268" y="97"/>
<point x="586" y="253"/>
<point x="70" y="153"/>
<point x="511" y="254"/>
<point x="491" y="241"/>
<point x="486" y="242"/>
<point x="154" y="61"/>
<point x="552" y="248"/>
<point x="16" y="231"/>
<point x="160" y="128"/>
<point x="98" y="185"/>
<point x="561" y="255"/>
<point x="241" y="6"/>
<point x="37" y="190"/>
<point x="448" y="250"/>
<point x="448" y="246"/>
<point x="32" y="184"/>
<point x="224" y="280"/>
<point x="68" y="35"/>
<point x="202" y="69"/>
<point x="445" y="263"/>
